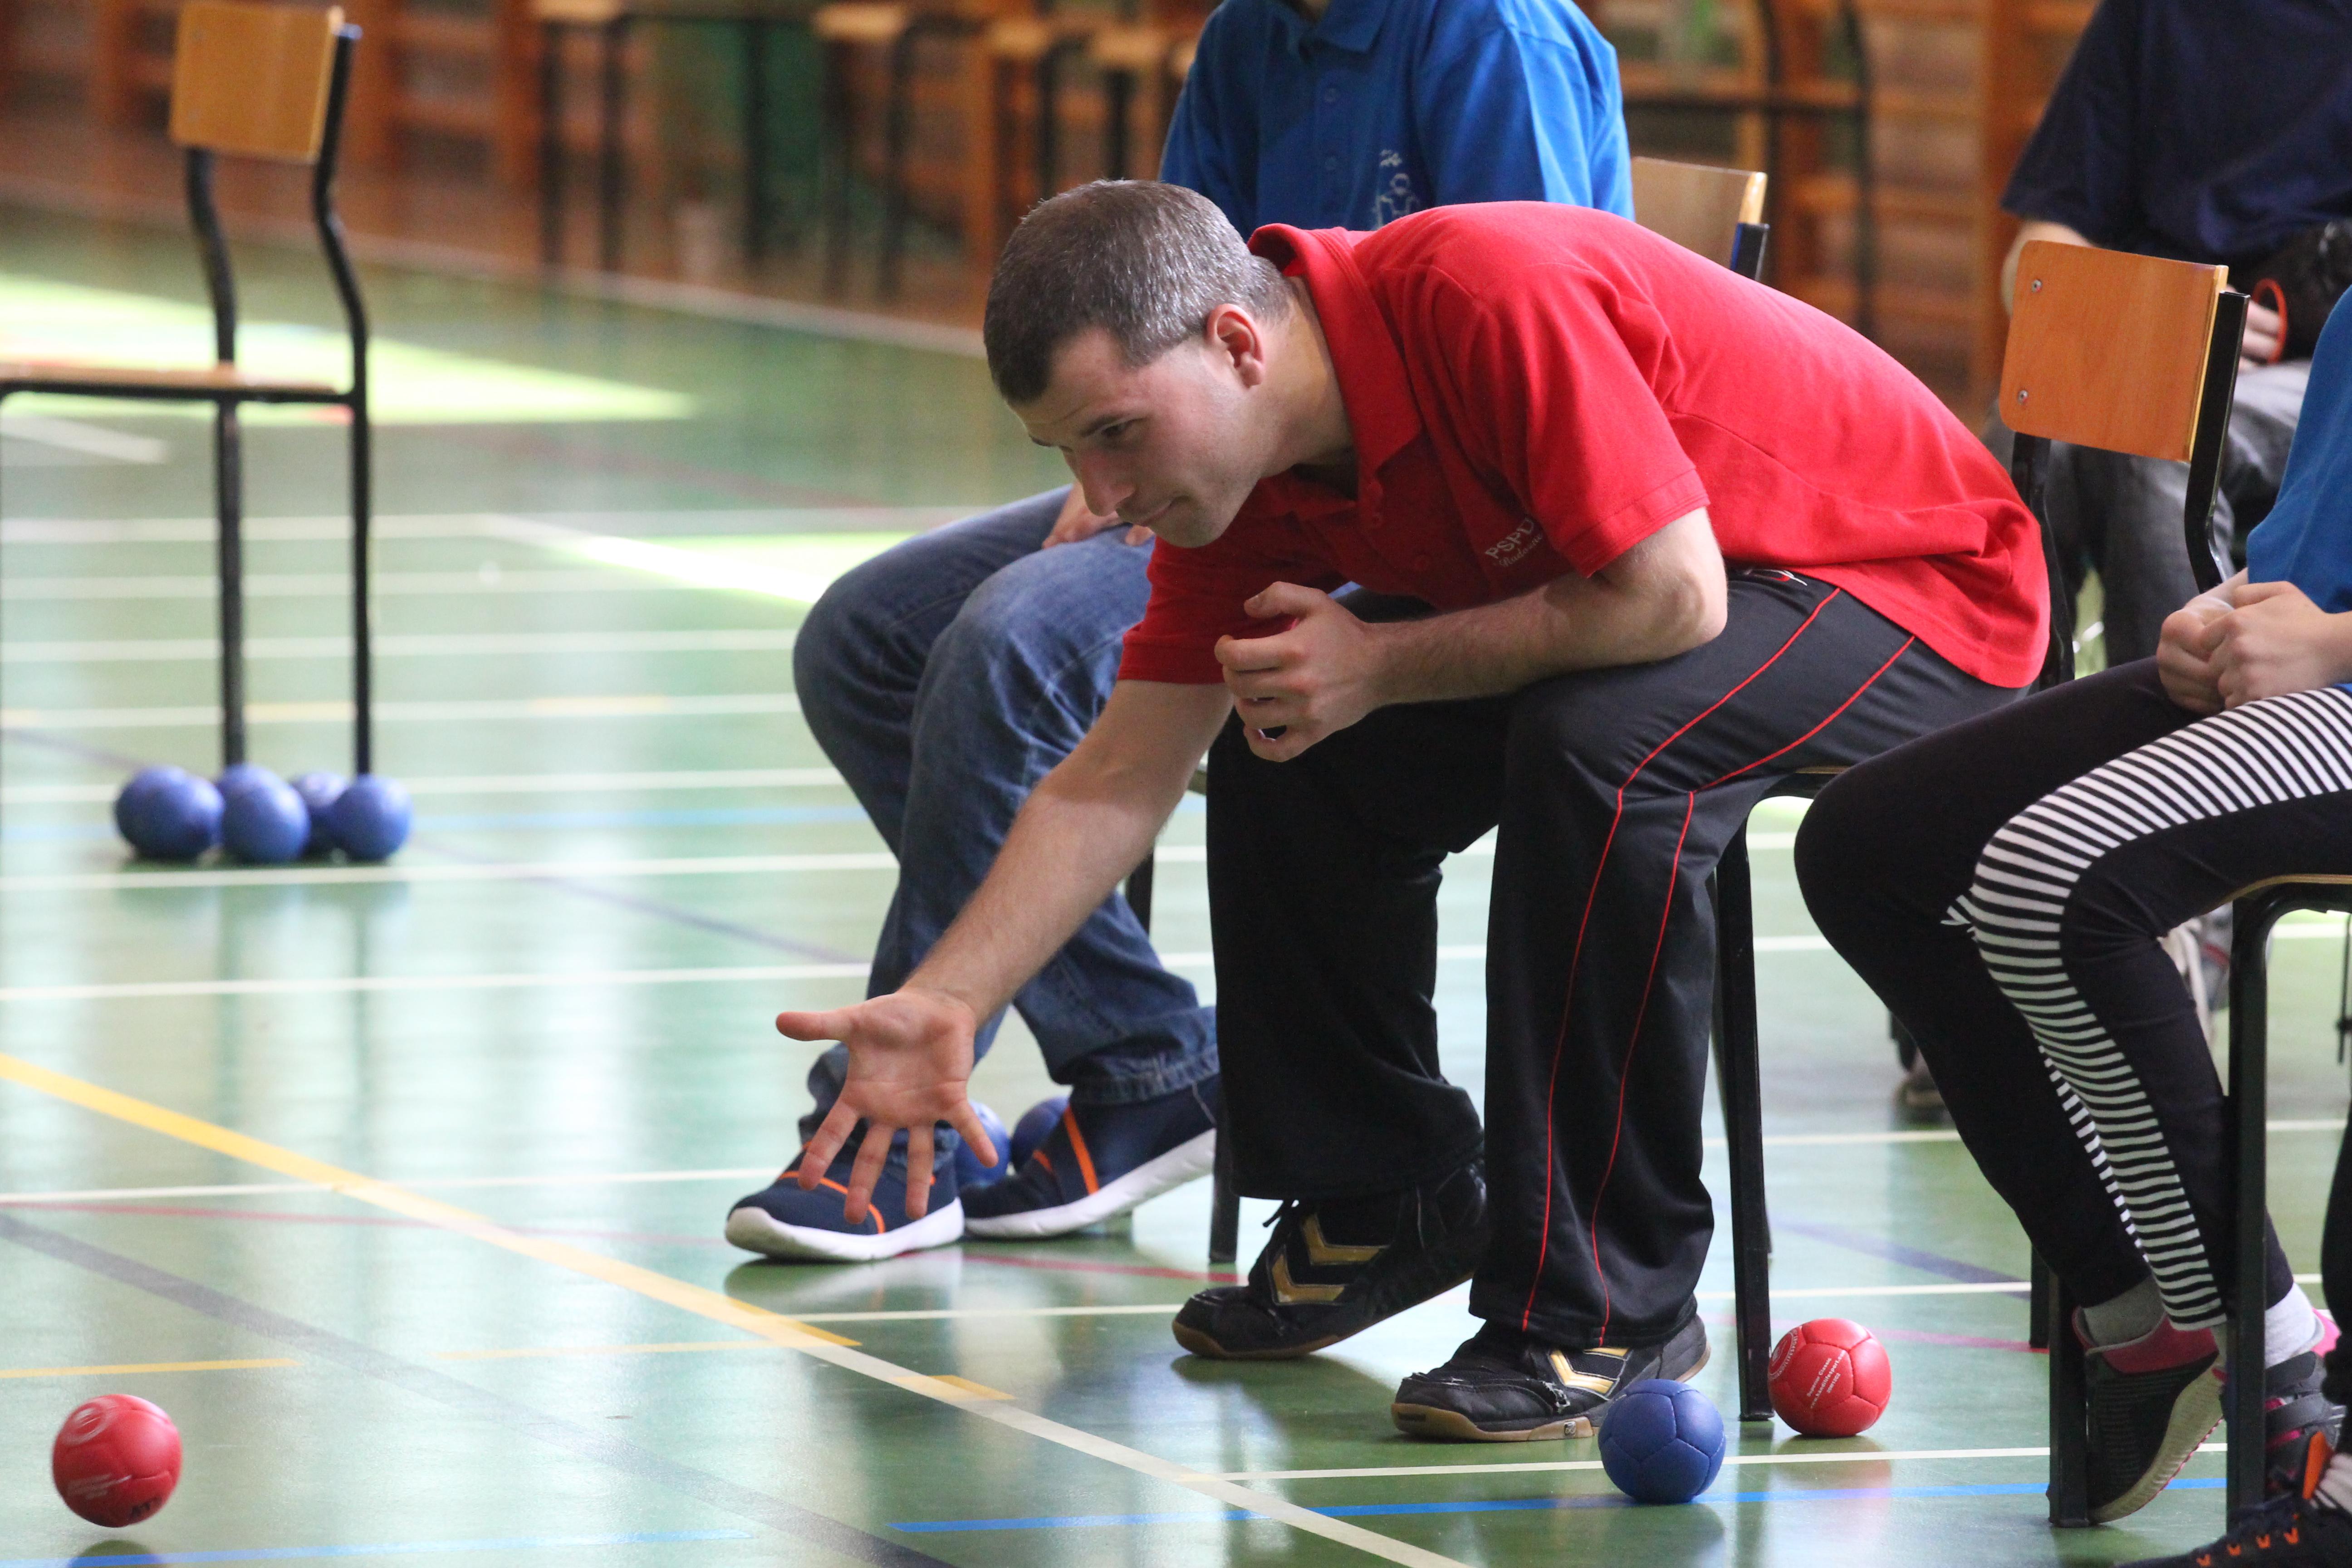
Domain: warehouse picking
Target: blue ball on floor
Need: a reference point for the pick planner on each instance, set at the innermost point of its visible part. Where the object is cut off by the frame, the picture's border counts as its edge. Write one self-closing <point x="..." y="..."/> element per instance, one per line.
<point x="371" y="818"/>
<point x="168" y="814"/>
<point x="1661" y="1441"/>
<point x="318" y="792"/>
<point x="265" y="823"/>
<point x="238" y="777"/>
<point x="970" y="1172"/>
<point x="1037" y="1125"/>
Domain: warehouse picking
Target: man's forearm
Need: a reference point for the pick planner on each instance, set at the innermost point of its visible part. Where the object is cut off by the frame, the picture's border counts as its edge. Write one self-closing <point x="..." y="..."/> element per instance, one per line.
<point x="1666" y="599"/>
<point x="1087" y="825"/>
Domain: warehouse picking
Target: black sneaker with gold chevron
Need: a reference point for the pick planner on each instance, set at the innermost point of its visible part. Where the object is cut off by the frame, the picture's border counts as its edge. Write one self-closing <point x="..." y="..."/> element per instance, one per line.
<point x="1336" y="1267"/>
<point x="1506" y="1386"/>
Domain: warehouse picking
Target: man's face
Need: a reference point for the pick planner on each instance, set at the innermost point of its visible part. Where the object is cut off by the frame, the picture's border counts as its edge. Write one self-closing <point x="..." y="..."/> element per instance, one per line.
<point x="1173" y="444"/>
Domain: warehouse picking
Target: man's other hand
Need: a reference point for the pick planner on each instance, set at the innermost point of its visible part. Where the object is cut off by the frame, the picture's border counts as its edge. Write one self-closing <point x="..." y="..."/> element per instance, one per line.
<point x="1077" y="523"/>
<point x="2263" y="331"/>
<point x="909" y="1058"/>
<point x="1297" y="686"/>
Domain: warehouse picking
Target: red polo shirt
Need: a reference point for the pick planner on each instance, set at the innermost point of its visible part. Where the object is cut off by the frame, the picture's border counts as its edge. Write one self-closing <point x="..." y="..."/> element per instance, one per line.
<point x="1533" y="388"/>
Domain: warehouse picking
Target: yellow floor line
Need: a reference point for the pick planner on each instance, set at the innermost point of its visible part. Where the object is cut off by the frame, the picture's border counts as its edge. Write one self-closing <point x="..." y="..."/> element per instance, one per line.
<point x="709" y="1304"/>
<point x="129" y="1367"/>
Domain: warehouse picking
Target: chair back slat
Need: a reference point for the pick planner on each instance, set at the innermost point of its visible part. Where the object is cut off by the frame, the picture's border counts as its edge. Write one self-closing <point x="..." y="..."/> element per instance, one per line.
<point x="2108" y="350"/>
<point x="251" y="80"/>
<point x="1698" y="207"/>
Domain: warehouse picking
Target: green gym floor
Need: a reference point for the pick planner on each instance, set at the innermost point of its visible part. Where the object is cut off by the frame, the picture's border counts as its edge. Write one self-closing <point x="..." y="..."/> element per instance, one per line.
<point x="401" y="1188"/>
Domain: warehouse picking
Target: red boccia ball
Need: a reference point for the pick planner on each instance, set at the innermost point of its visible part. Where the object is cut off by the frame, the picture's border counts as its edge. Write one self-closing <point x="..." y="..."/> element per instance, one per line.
<point x="116" y="1460"/>
<point x="1830" y="1378"/>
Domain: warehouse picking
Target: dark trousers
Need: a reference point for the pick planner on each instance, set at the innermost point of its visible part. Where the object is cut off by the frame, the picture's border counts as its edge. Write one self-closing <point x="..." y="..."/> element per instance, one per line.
<point x="2107" y="816"/>
<point x="1614" y="791"/>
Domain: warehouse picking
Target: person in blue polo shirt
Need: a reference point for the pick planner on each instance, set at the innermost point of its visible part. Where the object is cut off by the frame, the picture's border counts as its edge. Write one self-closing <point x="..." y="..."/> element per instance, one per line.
<point x="947" y="676"/>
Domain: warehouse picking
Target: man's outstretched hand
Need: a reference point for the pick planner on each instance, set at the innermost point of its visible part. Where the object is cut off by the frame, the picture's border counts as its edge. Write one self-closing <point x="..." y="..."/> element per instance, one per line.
<point x="909" y="1058"/>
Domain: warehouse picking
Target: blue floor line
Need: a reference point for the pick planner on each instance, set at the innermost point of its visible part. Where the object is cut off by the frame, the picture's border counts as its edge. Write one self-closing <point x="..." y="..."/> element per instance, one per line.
<point x="1513" y="1504"/>
<point x="390" y="1549"/>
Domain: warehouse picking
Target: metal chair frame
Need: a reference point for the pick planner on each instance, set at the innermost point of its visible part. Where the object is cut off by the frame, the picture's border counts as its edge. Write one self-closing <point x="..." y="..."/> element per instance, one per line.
<point x="228" y="392"/>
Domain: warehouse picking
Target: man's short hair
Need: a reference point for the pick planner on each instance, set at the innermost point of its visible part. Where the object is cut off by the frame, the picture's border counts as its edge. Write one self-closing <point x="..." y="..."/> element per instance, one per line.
<point x="1144" y="261"/>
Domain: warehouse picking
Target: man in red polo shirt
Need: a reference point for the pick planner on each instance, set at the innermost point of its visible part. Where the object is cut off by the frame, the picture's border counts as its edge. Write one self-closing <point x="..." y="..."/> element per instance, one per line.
<point x="1659" y="535"/>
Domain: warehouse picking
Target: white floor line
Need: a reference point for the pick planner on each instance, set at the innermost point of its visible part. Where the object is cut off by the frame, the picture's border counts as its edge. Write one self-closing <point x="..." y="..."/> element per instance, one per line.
<point x="1844" y="1456"/>
<point x="1824" y="1292"/>
<point x="336" y="585"/>
<point x="446" y="1183"/>
<point x="648" y="705"/>
<point x="422" y="872"/>
<point x="347" y="985"/>
<point x="476" y="525"/>
<point x="501" y="784"/>
<point x="455" y="644"/>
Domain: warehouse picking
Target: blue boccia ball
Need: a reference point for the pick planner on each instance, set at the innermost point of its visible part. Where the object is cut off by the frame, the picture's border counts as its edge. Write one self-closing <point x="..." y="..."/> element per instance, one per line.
<point x="1037" y="1125"/>
<point x="370" y="817"/>
<point x="238" y="777"/>
<point x="265" y="823"/>
<point x="168" y="814"/>
<point x="1661" y="1441"/>
<point x="970" y="1172"/>
<point x="318" y="792"/>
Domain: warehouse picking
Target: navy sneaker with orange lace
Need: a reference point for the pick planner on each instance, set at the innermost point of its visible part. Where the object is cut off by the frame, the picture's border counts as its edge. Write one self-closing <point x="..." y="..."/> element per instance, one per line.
<point x="784" y="1222"/>
<point x="1100" y="1161"/>
<point x="2300" y="1530"/>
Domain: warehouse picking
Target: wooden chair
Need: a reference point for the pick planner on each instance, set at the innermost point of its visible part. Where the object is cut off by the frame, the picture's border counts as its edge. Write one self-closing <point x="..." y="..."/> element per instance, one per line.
<point x="2134" y="354"/>
<point x="1132" y="59"/>
<point x="894" y="28"/>
<point x="263" y="82"/>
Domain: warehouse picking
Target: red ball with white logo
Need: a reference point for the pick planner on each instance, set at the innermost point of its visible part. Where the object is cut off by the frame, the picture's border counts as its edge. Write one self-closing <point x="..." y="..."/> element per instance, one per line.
<point x="1830" y="1378"/>
<point x="116" y="1460"/>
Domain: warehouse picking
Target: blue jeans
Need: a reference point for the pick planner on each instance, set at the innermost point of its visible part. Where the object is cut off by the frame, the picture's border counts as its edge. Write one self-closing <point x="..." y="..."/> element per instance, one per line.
<point x="944" y="678"/>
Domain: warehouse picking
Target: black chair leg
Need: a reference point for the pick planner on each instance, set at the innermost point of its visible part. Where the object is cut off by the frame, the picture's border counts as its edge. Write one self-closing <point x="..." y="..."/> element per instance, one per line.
<point x="2249" y="1107"/>
<point x="1224" y="1203"/>
<point x="838" y="157"/>
<point x="898" y="134"/>
<point x="2037" y="1311"/>
<point x="2069" y="1491"/>
<point x="1738" y="1075"/>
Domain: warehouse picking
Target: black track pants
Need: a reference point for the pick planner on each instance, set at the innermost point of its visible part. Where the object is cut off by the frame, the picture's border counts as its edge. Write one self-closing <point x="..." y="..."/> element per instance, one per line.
<point x="1614" y="791"/>
<point x="2004" y="886"/>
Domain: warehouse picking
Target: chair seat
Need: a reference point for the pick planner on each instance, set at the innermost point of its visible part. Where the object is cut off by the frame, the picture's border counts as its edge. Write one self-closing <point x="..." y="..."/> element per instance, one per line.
<point x="1127" y="48"/>
<point x="1026" y="39"/>
<point x="861" y="22"/>
<point x="194" y="380"/>
<point x="2322" y="885"/>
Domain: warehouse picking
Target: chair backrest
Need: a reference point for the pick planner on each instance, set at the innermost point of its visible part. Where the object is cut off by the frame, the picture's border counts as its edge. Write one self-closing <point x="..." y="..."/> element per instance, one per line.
<point x="1698" y="207"/>
<point x="251" y="79"/>
<point x="2128" y="353"/>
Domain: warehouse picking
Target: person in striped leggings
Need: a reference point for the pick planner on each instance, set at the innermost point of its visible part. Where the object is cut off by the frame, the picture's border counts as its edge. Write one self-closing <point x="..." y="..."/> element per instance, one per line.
<point x="2004" y="885"/>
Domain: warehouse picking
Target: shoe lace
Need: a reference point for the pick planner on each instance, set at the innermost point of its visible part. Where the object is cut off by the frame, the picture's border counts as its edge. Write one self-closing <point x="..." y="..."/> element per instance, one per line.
<point x="2256" y="1525"/>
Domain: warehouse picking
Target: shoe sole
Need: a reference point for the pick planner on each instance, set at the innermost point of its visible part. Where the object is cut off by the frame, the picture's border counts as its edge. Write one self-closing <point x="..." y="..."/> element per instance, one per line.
<point x="1162" y="1173"/>
<point x="2195" y="1414"/>
<point x="754" y="1229"/>
<point x="1198" y="1341"/>
<point x="1438" y="1425"/>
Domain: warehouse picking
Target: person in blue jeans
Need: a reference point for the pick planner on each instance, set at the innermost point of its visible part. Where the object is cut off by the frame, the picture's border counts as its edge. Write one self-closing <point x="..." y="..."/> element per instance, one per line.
<point x="947" y="676"/>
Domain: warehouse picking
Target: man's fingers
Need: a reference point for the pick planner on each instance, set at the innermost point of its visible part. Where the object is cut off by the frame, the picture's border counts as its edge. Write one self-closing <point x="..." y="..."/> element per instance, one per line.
<point x="1245" y="656"/>
<point x="1286" y="599"/>
<point x="966" y="1121"/>
<point x="818" y="1157"/>
<point x="867" y="1172"/>
<point x="812" y="1025"/>
<point x="919" y="1153"/>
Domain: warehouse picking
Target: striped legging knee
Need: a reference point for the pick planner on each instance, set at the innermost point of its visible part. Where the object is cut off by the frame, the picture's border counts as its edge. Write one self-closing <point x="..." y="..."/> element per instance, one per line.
<point x="2027" y="913"/>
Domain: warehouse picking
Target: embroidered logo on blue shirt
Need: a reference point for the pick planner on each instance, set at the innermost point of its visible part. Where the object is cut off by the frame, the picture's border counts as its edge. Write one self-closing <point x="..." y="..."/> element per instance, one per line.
<point x="1395" y="198"/>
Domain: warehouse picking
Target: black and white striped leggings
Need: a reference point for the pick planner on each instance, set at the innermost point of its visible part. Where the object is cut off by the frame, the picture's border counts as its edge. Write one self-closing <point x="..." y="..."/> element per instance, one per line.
<point x="2004" y="884"/>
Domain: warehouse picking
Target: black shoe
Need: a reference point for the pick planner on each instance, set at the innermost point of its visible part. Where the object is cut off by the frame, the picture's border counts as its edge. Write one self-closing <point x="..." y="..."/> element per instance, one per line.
<point x="2297" y="1415"/>
<point x="2292" y="1532"/>
<point x="2152" y="1400"/>
<point x="1332" y="1269"/>
<point x="1506" y="1386"/>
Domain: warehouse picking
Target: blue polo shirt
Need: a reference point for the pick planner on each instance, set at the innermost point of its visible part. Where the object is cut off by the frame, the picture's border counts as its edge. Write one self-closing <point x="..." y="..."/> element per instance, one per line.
<point x="2207" y="130"/>
<point x="1384" y="107"/>
<point x="2307" y="540"/>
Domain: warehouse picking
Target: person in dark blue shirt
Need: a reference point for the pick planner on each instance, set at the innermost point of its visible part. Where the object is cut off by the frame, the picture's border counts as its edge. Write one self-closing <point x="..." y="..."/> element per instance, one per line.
<point x="2201" y="133"/>
<point x="947" y="676"/>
